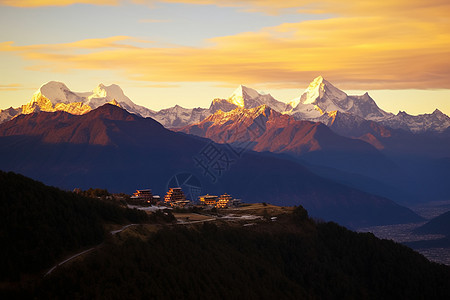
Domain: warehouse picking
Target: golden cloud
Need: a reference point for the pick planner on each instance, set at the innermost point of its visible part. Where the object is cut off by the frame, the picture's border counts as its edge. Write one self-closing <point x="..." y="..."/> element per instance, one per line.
<point x="397" y="8"/>
<point x="10" y="87"/>
<point x="37" y="3"/>
<point x="14" y="87"/>
<point x="405" y="46"/>
<point x="161" y="85"/>
<point x="115" y="42"/>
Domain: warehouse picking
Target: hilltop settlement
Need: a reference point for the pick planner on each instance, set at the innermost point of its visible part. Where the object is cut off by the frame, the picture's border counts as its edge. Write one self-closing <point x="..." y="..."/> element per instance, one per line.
<point x="176" y="198"/>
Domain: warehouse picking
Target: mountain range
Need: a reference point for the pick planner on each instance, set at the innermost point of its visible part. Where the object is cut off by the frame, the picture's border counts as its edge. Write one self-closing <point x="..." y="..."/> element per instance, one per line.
<point x="320" y="102"/>
<point x="111" y="148"/>
<point x="263" y="129"/>
<point x="269" y="130"/>
<point x="346" y="139"/>
<point x="56" y="96"/>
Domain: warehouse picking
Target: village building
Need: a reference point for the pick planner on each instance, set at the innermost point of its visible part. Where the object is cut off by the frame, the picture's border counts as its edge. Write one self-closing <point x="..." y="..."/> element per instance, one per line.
<point x="175" y="197"/>
<point x="208" y="200"/>
<point x="142" y="197"/>
<point x="223" y="201"/>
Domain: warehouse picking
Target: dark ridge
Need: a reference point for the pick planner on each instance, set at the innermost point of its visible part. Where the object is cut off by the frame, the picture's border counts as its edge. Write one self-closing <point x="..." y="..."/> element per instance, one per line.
<point x="437" y="225"/>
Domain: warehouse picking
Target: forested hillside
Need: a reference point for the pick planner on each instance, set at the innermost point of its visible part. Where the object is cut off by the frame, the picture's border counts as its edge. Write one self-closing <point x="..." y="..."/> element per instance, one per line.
<point x="39" y="224"/>
<point x="293" y="258"/>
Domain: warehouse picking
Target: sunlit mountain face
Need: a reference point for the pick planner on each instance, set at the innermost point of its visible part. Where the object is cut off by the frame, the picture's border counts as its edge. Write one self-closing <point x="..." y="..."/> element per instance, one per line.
<point x="269" y="130"/>
<point x="56" y="96"/>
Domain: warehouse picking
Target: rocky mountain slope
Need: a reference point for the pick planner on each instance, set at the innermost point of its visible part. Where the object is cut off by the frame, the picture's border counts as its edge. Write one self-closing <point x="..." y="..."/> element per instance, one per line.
<point x="268" y="130"/>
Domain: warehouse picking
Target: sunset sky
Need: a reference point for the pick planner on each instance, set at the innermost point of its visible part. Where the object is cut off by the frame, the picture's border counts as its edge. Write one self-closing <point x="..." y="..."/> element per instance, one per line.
<point x="188" y="52"/>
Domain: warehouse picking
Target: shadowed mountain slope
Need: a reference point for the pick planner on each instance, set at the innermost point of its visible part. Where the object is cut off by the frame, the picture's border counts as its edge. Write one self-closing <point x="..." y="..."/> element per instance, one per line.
<point x="110" y="148"/>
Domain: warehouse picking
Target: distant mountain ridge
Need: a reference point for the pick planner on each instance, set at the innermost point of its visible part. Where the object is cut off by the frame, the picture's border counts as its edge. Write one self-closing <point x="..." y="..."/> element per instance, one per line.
<point x="178" y="116"/>
<point x="437" y="225"/>
<point x="434" y="122"/>
<point x="320" y="102"/>
<point x="56" y="96"/>
<point x="62" y="127"/>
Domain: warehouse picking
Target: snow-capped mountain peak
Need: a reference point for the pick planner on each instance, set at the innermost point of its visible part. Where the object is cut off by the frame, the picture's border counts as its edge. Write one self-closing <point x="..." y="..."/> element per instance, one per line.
<point x="241" y="94"/>
<point x="320" y="89"/>
<point x="57" y="92"/>
<point x="246" y="97"/>
<point x="56" y="96"/>
<point x="99" y="91"/>
<point x="102" y="94"/>
<point x="322" y="97"/>
<point x="314" y="91"/>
